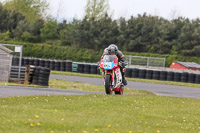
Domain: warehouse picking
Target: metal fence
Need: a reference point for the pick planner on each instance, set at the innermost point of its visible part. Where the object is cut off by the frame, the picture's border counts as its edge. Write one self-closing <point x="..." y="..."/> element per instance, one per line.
<point x="146" y="61"/>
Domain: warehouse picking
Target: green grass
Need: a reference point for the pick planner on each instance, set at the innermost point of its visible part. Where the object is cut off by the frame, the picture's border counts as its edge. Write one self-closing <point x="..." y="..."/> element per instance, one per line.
<point x="137" y="111"/>
<point x="129" y="79"/>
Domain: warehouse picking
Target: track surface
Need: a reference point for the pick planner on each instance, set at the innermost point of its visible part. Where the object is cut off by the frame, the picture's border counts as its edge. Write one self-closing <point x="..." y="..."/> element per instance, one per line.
<point x="159" y="89"/>
<point x="6" y="91"/>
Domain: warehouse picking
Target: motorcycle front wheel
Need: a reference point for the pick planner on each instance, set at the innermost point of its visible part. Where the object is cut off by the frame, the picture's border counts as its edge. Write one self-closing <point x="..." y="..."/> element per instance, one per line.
<point x="108" y="83"/>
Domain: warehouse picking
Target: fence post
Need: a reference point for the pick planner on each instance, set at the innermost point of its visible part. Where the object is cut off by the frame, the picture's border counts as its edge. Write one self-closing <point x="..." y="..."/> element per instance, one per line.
<point x="26" y="82"/>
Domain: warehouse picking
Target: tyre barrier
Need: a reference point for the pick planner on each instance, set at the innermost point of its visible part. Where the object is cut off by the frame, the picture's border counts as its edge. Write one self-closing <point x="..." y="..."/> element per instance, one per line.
<point x="87" y="68"/>
<point x="142" y="73"/>
<point x="163" y="75"/>
<point x="57" y="65"/>
<point x="15" y="61"/>
<point x="41" y="62"/>
<point x="47" y="63"/>
<point x="62" y="65"/>
<point x="128" y="72"/>
<point x="184" y="77"/>
<point x="40" y="76"/>
<point x="197" y="79"/>
<point x="149" y="74"/>
<point x="170" y="76"/>
<point x="31" y="61"/>
<point x="93" y="69"/>
<point x="177" y="76"/>
<point x="156" y="75"/>
<point x="80" y="68"/>
<point x="36" y="62"/>
<point x="69" y="66"/>
<point x="191" y="78"/>
<point x="135" y="73"/>
<point x="52" y="65"/>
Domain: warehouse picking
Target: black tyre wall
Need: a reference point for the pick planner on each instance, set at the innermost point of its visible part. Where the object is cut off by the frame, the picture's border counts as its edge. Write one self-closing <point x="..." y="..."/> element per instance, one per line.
<point x="69" y="65"/>
<point x="149" y="74"/>
<point x="156" y="75"/>
<point x="184" y="77"/>
<point x="93" y="69"/>
<point x="128" y="72"/>
<point x="142" y="73"/>
<point x="80" y="68"/>
<point x="135" y="73"/>
<point x="170" y="76"/>
<point x="177" y="76"/>
<point x="197" y="79"/>
<point x="163" y="75"/>
<point x="191" y="78"/>
<point x="87" y="68"/>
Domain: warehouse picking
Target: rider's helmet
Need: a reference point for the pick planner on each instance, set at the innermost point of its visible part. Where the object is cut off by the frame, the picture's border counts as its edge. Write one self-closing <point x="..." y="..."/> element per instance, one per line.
<point x="112" y="49"/>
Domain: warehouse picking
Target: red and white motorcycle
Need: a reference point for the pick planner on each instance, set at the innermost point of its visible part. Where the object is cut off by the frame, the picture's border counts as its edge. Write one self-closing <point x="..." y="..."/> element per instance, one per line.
<point x="112" y="74"/>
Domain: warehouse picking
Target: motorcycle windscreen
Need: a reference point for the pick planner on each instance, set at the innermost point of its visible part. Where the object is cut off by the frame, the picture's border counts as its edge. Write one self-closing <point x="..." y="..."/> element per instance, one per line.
<point x="109" y="62"/>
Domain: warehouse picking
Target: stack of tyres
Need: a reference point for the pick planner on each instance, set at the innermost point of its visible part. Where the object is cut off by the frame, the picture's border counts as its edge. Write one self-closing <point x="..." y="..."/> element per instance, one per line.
<point x="170" y="76"/>
<point x="41" y="76"/>
<point x="197" y="79"/>
<point x="15" y="61"/>
<point x="149" y="74"/>
<point x="57" y="65"/>
<point x="36" y="62"/>
<point x="41" y="62"/>
<point x="191" y="78"/>
<point x="87" y="68"/>
<point x="184" y="77"/>
<point x="128" y="72"/>
<point x="47" y="63"/>
<point x="52" y="65"/>
<point x="142" y="73"/>
<point x="163" y="75"/>
<point x="31" y="61"/>
<point x="156" y="75"/>
<point x="93" y="69"/>
<point x="26" y="61"/>
<point x="135" y="73"/>
<point x="177" y="76"/>
<point x="80" y="68"/>
<point x="68" y="66"/>
<point x="62" y="65"/>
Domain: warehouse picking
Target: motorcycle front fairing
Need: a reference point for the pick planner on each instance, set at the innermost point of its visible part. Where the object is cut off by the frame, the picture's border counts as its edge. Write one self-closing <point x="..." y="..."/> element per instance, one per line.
<point x="109" y="65"/>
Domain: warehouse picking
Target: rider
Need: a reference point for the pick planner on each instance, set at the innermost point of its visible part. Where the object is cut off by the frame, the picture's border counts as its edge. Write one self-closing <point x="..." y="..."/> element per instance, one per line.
<point x="112" y="49"/>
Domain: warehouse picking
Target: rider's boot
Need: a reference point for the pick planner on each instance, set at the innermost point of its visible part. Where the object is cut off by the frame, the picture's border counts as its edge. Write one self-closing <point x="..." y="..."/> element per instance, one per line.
<point x="124" y="81"/>
<point x="123" y="78"/>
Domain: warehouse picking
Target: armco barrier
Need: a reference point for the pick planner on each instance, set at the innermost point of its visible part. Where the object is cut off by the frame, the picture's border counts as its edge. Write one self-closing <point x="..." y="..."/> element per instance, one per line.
<point x="94" y="69"/>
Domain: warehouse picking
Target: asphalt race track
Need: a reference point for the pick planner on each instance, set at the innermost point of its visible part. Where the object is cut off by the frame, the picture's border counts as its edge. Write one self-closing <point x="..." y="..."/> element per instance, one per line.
<point x="159" y="89"/>
<point x="6" y="91"/>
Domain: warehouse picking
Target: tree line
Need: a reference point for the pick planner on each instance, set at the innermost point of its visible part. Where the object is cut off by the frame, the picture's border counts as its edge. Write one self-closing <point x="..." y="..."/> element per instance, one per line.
<point x="142" y="33"/>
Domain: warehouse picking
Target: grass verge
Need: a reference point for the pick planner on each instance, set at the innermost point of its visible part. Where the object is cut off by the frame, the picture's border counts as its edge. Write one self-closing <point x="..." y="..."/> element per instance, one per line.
<point x="129" y="79"/>
<point x="137" y="112"/>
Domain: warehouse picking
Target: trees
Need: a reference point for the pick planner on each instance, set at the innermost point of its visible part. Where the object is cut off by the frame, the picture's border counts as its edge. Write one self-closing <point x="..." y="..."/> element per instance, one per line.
<point x="31" y="9"/>
<point x="96" y="9"/>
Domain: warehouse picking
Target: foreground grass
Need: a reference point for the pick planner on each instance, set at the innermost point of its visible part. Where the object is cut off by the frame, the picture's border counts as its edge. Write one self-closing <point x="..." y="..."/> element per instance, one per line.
<point x="136" y="112"/>
<point x="129" y="79"/>
<point x="99" y="113"/>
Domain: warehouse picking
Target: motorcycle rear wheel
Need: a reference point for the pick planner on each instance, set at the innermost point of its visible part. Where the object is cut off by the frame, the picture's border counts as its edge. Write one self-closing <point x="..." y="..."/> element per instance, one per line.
<point x="108" y="83"/>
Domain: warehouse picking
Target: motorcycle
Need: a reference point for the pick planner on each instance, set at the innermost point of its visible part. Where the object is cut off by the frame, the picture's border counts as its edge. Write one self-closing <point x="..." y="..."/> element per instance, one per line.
<point x="112" y="75"/>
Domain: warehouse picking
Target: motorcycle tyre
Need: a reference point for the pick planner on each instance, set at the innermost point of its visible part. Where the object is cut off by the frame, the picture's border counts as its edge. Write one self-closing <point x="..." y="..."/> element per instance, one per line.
<point x="108" y="85"/>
